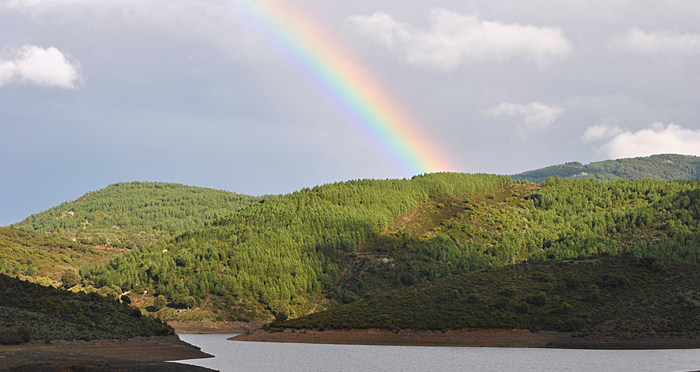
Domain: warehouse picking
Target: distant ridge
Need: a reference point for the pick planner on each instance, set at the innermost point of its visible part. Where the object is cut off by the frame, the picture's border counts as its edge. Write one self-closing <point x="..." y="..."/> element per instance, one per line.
<point x="660" y="167"/>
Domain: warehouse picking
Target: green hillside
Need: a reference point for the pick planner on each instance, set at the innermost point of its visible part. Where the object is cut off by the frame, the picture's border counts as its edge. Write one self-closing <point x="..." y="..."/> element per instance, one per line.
<point x="135" y="214"/>
<point x="281" y="254"/>
<point x="30" y="311"/>
<point x="40" y="258"/>
<point x="295" y="254"/>
<point x="659" y="167"/>
<point x="606" y="294"/>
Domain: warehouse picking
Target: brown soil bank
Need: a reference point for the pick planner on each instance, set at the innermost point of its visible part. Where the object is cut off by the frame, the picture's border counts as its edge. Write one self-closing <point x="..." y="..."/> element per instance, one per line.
<point x="477" y="338"/>
<point x="138" y="354"/>
<point x="206" y="326"/>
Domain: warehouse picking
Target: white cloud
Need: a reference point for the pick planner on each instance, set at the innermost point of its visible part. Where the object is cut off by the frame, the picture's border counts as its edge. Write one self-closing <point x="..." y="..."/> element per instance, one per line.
<point x="657" y="139"/>
<point x="600" y="132"/>
<point x="453" y="39"/>
<point x="659" y="41"/>
<point x="40" y="66"/>
<point x="536" y="115"/>
<point x="607" y="129"/>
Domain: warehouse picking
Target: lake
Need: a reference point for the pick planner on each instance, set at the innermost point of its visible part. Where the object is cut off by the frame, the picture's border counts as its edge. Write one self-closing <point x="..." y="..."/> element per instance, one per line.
<point x="268" y="356"/>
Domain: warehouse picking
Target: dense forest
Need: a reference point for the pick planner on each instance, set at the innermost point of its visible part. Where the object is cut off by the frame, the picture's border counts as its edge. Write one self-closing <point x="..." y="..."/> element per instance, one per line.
<point x="135" y="214"/>
<point x="290" y="255"/>
<point x="659" y="167"/>
<point x="604" y="294"/>
<point x="280" y="255"/>
<point x="33" y="312"/>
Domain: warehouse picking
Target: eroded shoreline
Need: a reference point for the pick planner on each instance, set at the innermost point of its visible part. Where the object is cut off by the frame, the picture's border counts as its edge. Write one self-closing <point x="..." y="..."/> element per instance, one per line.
<point x="478" y="338"/>
<point x="141" y="353"/>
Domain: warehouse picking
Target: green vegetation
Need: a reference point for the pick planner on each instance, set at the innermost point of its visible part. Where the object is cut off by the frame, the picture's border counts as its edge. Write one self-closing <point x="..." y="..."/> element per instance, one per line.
<point x="29" y="310"/>
<point x="281" y="254"/>
<point x="202" y="254"/>
<point x="348" y="241"/>
<point x="561" y="219"/>
<point x="44" y="259"/>
<point x="135" y="214"/>
<point x="601" y="294"/>
<point x="660" y="167"/>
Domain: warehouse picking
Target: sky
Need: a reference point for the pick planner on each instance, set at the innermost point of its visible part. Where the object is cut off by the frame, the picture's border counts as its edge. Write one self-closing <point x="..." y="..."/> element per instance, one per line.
<point x="267" y="97"/>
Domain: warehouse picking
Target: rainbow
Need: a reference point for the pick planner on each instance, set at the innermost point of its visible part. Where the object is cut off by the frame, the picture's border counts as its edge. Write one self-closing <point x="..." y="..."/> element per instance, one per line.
<point x="342" y="80"/>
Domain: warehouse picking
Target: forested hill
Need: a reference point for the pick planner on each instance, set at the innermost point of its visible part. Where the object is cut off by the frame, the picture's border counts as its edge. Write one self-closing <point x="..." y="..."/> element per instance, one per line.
<point x="30" y="311"/>
<point x="658" y="167"/>
<point x="602" y="294"/>
<point x="291" y="254"/>
<point x="135" y="214"/>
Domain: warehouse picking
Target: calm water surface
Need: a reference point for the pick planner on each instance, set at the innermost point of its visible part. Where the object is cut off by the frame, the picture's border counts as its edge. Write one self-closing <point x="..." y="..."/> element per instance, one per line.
<point x="270" y="356"/>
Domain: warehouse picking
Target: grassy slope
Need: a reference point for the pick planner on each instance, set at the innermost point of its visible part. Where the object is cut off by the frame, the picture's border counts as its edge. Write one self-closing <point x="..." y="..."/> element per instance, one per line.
<point x="51" y="313"/>
<point x="135" y="214"/>
<point x="608" y="294"/>
<point x="660" y="167"/>
<point x="35" y="256"/>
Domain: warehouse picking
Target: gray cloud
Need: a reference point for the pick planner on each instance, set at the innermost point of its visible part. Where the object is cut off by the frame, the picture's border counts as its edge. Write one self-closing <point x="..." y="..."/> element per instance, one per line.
<point x="657" y="42"/>
<point x="536" y="116"/>
<point x="197" y="92"/>
<point x="453" y="39"/>
<point x="39" y="66"/>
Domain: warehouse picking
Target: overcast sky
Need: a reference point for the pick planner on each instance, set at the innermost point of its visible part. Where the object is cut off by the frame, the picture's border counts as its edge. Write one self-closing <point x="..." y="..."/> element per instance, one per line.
<point x="195" y="92"/>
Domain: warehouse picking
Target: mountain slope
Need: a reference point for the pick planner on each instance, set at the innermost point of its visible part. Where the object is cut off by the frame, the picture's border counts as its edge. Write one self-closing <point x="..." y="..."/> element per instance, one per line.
<point x="351" y="240"/>
<point x="29" y="310"/>
<point x="281" y="254"/>
<point x="659" y="167"/>
<point x="38" y="257"/>
<point x="135" y="214"/>
<point x="605" y="294"/>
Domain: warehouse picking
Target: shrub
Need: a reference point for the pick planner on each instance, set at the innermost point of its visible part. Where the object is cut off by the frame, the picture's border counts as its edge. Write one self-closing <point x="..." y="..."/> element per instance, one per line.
<point x="159" y="302"/>
<point x="572" y="324"/>
<point x="136" y="313"/>
<point x="501" y="303"/>
<point x="281" y="316"/>
<point x="539" y="299"/>
<point x="615" y="281"/>
<point x="565" y="308"/>
<point x="407" y="278"/>
<point x="70" y="278"/>
<point x="593" y="293"/>
<point x="14" y="335"/>
<point x="507" y="292"/>
<point x="349" y="297"/>
<point x="473" y="298"/>
<point x="189" y="302"/>
<point x="125" y="299"/>
<point x="653" y="264"/>
<point x="522" y="307"/>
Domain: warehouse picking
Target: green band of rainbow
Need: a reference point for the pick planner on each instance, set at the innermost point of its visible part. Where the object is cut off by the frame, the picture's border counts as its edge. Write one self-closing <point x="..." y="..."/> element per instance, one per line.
<point x="360" y="97"/>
